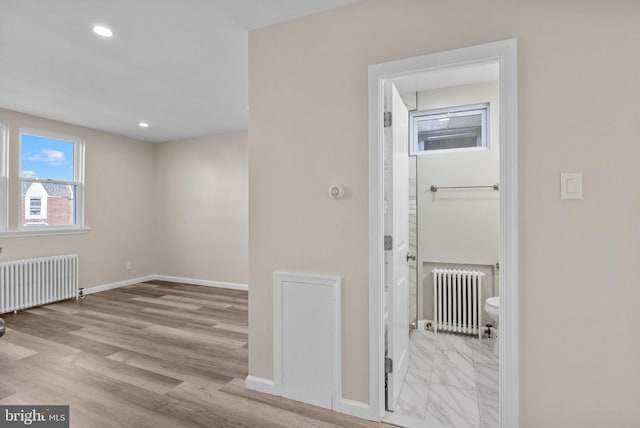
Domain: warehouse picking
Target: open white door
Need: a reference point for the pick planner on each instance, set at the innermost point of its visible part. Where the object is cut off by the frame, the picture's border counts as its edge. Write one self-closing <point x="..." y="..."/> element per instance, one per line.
<point x="397" y="225"/>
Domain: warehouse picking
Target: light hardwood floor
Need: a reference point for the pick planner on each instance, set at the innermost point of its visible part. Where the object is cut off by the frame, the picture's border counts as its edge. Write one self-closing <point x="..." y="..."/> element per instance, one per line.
<point x="156" y="355"/>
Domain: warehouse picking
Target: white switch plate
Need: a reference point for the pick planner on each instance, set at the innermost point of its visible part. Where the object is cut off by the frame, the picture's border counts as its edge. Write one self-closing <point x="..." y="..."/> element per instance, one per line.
<point x="571" y="185"/>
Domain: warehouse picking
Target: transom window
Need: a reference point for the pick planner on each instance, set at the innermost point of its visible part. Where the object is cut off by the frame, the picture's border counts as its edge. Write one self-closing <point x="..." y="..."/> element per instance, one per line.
<point x="51" y="180"/>
<point x="451" y="129"/>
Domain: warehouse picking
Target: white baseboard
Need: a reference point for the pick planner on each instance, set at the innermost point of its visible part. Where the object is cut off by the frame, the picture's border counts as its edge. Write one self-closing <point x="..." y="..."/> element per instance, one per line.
<point x="357" y="409"/>
<point x="259" y="384"/>
<point x="203" y="282"/>
<point x="118" y="284"/>
<point x="132" y="281"/>
<point x="347" y="407"/>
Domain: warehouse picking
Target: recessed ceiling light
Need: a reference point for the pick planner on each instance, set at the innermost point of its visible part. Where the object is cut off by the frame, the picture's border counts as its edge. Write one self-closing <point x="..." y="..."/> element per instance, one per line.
<point x="103" y="31"/>
<point x="143" y="125"/>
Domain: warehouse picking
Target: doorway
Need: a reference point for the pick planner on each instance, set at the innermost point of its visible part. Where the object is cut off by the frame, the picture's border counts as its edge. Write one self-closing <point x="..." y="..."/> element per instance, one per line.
<point x="454" y="153"/>
<point x="442" y="65"/>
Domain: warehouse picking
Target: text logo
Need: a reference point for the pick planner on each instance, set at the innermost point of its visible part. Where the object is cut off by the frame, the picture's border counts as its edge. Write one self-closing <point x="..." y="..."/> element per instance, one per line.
<point x="34" y="416"/>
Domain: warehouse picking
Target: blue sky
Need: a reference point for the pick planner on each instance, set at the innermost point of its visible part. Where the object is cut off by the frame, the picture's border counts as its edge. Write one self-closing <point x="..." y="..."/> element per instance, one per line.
<point x="46" y="158"/>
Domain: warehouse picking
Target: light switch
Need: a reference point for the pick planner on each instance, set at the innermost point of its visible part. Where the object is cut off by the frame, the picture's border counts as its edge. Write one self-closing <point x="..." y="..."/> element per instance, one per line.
<point x="571" y="185"/>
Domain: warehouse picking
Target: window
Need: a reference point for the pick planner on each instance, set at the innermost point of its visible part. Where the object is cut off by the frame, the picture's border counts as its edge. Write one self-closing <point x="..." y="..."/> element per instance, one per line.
<point x="452" y="129"/>
<point x="50" y="180"/>
<point x="35" y="207"/>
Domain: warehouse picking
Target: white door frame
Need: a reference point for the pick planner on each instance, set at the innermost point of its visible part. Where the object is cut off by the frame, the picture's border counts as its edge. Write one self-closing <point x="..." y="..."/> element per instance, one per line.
<point x="505" y="53"/>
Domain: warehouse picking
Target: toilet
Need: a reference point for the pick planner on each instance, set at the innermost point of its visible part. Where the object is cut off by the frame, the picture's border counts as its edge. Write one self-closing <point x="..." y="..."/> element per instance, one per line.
<point x="492" y="307"/>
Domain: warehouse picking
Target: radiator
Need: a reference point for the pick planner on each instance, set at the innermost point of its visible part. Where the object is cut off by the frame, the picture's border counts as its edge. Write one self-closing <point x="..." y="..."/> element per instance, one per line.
<point x="457" y="301"/>
<point x="34" y="282"/>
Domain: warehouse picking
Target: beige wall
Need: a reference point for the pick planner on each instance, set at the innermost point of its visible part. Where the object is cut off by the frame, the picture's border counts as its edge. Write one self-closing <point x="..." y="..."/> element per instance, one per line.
<point x="202" y="214"/>
<point x="177" y="209"/>
<point x="119" y="205"/>
<point x="577" y="112"/>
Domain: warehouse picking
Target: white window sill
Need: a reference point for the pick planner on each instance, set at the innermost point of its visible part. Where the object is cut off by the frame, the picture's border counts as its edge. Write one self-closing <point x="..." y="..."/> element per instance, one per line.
<point x="44" y="231"/>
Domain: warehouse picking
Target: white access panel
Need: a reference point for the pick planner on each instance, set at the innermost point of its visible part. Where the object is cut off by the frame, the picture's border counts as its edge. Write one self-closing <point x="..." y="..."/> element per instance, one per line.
<point x="307" y="350"/>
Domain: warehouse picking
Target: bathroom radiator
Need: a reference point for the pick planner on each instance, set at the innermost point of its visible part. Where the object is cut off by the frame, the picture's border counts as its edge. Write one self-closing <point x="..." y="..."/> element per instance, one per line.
<point x="457" y="301"/>
<point x="34" y="282"/>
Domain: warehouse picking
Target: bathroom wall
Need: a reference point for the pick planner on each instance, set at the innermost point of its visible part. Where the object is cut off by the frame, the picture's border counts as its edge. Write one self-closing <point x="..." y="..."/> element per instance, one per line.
<point x="459" y="227"/>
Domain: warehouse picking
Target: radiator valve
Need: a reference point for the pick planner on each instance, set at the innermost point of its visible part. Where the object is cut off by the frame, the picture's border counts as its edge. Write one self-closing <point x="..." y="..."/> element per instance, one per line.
<point x="1" y="327"/>
<point x="488" y="329"/>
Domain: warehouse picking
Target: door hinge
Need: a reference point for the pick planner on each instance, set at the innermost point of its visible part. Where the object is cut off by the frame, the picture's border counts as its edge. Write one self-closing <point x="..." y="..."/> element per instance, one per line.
<point x="388" y="242"/>
<point x="388" y="365"/>
<point x="387" y="119"/>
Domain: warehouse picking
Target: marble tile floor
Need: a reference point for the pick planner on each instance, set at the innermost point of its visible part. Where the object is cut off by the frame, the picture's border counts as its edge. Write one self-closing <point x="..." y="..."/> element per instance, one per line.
<point x="452" y="382"/>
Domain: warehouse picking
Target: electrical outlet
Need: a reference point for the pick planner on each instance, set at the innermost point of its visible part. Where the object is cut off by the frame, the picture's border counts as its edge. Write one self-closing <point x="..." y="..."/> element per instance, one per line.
<point x="128" y="265"/>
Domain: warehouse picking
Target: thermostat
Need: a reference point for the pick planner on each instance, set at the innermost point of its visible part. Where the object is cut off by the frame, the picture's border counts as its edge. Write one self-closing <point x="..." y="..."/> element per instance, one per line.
<point x="336" y="191"/>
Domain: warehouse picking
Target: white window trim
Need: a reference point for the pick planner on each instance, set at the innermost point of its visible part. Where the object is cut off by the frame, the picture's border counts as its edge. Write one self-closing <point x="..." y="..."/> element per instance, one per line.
<point x="78" y="174"/>
<point x="44" y="231"/>
<point x="452" y="111"/>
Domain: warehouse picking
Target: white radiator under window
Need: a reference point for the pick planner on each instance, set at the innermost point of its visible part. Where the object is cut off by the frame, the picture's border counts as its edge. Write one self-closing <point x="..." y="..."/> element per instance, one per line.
<point x="34" y="282"/>
<point x="457" y="301"/>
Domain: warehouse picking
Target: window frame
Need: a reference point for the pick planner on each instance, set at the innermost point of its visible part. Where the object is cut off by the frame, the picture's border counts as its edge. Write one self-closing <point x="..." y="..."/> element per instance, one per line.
<point x="4" y="176"/>
<point x="457" y="111"/>
<point x="78" y="182"/>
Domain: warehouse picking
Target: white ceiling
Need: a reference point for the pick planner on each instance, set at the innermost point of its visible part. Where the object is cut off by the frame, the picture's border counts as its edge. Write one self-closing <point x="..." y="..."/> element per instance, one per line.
<point x="180" y="65"/>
